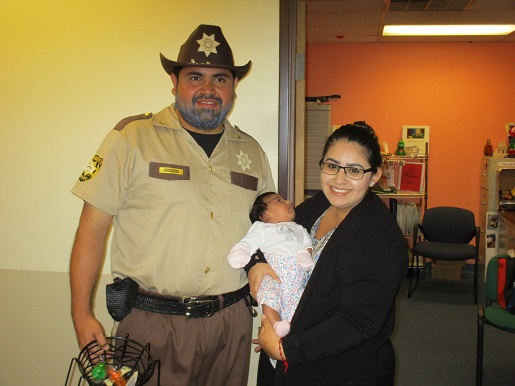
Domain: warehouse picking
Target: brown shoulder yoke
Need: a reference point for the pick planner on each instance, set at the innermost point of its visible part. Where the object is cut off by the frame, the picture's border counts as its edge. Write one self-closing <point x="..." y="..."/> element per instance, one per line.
<point x="125" y="121"/>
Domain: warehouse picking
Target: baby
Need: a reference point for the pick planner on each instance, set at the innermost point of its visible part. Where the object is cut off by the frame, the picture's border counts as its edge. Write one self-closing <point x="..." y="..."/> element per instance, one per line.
<point x="287" y="248"/>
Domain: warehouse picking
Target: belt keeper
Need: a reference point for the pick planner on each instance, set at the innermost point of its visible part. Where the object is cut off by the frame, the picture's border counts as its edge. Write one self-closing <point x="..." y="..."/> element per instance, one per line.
<point x="220" y="302"/>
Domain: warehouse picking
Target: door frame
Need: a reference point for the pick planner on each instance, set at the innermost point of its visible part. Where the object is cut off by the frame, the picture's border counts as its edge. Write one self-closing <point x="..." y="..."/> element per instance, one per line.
<point x="291" y="99"/>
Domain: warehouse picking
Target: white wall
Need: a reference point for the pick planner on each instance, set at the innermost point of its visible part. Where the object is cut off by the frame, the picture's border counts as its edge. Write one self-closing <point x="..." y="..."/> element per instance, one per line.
<point x="70" y="70"/>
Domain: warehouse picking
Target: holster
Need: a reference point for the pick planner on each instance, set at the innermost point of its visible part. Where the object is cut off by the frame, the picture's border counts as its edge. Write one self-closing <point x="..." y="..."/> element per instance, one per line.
<point x="121" y="297"/>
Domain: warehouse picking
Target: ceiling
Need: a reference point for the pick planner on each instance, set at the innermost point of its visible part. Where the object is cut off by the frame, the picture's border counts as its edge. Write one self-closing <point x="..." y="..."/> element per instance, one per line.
<point x="362" y="21"/>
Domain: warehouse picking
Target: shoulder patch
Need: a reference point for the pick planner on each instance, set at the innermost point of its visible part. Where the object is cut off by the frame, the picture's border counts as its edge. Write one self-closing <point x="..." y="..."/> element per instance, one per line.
<point x="125" y="121"/>
<point x="92" y="168"/>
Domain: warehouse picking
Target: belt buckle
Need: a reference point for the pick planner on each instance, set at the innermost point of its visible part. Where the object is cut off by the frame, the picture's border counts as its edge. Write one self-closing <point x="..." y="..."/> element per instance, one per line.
<point x="194" y="301"/>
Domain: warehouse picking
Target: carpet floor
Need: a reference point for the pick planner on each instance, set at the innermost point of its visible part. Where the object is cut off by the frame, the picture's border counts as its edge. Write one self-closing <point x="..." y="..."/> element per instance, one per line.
<point x="436" y="334"/>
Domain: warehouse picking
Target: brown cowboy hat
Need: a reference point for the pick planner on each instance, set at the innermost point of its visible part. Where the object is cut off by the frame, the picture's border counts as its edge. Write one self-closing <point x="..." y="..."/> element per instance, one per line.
<point x="206" y="47"/>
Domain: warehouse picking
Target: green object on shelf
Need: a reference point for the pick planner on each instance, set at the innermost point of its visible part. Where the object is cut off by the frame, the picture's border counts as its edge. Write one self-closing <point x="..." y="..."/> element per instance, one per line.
<point x="400" y="148"/>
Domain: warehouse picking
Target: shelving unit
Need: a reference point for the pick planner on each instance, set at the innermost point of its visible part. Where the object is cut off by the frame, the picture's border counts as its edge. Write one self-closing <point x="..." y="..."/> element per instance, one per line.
<point x="318" y="128"/>
<point x="393" y="164"/>
<point x="506" y="231"/>
<point x="398" y="162"/>
<point x="496" y="174"/>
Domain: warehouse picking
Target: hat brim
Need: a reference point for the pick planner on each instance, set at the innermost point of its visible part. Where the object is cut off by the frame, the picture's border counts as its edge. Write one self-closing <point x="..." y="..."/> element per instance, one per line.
<point x="169" y="66"/>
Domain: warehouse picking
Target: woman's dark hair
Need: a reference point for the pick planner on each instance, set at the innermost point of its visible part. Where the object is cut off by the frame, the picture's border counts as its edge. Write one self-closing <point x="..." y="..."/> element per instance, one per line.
<point x="259" y="207"/>
<point x="361" y="134"/>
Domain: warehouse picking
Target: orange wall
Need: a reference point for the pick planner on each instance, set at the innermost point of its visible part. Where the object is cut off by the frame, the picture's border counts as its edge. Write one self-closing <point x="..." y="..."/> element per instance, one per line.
<point x="464" y="92"/>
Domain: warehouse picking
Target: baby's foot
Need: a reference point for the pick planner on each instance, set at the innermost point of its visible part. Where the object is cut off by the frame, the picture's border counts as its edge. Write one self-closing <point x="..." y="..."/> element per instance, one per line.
<point x="282" y="328"/>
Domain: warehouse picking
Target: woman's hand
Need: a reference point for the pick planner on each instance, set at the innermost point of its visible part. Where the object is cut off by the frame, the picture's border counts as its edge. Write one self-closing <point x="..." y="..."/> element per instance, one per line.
<point x="256" y="275"/>
<point x="268" y="340"/>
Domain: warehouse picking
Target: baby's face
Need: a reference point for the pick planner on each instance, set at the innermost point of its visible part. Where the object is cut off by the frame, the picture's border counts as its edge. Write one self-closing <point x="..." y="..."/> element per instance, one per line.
<point x="278" y="209"/>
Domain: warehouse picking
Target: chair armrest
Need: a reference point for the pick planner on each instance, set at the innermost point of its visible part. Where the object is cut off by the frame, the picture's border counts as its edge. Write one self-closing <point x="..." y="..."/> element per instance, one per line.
<point x="416" y="228"/>
<point x="477" y="239"/>
<point x="481" y="315"/>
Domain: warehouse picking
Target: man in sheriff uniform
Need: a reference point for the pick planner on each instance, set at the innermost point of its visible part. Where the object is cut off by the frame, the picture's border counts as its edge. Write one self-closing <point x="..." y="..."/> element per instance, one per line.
<point x="177" y="187"/>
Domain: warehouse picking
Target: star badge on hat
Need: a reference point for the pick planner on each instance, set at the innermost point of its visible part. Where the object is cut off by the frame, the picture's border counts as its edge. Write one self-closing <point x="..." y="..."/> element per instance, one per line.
<point x="208" y="44"/>
<point x="204" y="41"/>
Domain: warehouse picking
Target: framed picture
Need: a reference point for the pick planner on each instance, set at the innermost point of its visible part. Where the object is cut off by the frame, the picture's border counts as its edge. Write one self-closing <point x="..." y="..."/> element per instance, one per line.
<point x="492" y="224"/>
<point x="416" y="136"/>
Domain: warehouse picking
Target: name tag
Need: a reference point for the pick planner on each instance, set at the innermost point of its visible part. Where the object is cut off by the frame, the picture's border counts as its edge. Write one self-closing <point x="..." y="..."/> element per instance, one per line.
<point x="169" y="172"/>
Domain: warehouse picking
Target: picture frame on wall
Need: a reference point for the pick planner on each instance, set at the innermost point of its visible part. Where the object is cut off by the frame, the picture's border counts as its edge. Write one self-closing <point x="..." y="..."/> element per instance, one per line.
<point x="416" y="136"/>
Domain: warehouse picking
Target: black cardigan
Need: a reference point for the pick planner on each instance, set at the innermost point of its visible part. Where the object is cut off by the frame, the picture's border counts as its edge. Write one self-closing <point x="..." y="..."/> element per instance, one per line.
<point x="340" y="331"/>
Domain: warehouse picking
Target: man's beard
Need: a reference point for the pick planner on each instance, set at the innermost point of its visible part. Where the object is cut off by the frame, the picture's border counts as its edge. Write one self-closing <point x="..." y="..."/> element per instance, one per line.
<point x="205" y="119"/>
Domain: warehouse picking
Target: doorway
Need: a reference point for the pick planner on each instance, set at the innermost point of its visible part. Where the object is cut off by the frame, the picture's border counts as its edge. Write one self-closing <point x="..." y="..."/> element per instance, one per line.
<point x="292" y="44"/>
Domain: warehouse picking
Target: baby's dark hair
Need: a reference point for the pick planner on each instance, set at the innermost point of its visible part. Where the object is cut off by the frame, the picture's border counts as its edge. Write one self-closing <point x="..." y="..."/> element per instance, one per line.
<point x="259" y="207"/>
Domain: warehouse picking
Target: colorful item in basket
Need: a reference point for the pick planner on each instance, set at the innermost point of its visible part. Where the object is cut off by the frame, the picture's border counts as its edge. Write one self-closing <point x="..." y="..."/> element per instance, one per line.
<point x="124" y="376"/>
<point x="116" y="376"/>
<point x="99" y="372"/>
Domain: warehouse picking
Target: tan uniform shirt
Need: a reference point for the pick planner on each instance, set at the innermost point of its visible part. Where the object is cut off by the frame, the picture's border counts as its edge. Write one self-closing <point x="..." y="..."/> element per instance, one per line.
<point x="177" y="213"/>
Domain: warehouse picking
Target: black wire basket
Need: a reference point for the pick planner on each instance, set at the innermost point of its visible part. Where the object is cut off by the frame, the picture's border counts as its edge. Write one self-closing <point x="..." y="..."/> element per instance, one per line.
<point x="121" y="351"/>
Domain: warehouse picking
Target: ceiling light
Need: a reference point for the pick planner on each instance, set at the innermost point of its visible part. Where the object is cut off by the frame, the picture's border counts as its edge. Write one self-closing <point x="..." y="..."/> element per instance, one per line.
<point x="448" y="30"/>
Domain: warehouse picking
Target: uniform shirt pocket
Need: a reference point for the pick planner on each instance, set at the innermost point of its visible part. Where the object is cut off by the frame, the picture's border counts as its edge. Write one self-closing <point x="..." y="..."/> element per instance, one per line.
<point x="243" y="191"/>
<point x="168" y="182"/>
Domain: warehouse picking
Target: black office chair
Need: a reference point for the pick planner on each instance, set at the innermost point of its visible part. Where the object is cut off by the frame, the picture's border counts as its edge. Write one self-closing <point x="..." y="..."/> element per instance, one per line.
<point x="446" y="232"/>
<point x="492" y="314"/>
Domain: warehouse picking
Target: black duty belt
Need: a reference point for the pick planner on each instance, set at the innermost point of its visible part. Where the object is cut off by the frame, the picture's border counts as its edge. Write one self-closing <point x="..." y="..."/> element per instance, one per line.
<point x="191" y="307"/>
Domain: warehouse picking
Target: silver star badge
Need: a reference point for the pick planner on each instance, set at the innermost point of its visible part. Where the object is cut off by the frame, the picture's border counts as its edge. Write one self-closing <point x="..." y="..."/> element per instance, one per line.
<point x="243" y="160"/>
<point x="208" y="44"/>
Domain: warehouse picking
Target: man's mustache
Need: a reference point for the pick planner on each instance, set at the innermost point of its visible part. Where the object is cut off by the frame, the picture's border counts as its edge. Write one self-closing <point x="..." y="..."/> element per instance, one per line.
<point x="206" y="96"/>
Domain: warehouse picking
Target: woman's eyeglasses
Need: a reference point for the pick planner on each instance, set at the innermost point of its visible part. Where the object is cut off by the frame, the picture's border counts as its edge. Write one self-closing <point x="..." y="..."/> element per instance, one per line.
<point x="351" y="172"/>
